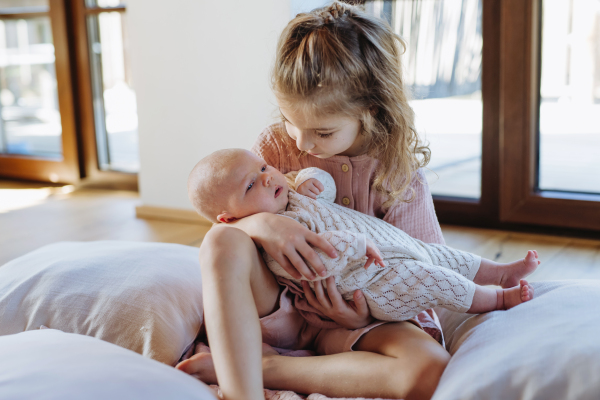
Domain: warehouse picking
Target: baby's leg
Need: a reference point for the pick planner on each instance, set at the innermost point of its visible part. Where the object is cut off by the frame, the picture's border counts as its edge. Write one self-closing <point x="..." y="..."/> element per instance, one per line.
<point x="406" y="287"/>
<point x="506" y="275"/>
<point x="237" y="289"/>
<point x="490" y="299"/>
<point x="395" y="361"/>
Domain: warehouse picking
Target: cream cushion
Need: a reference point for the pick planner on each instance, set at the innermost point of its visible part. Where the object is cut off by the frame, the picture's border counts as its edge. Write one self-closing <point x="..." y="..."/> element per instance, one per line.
<point x="547" y="348"/>
<point x="145" y="297"/>
<point x="49" y="364"/>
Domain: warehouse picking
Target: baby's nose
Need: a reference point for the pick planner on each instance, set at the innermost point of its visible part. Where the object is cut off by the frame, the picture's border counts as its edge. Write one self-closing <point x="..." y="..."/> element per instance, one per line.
<point x="267" y="179"/>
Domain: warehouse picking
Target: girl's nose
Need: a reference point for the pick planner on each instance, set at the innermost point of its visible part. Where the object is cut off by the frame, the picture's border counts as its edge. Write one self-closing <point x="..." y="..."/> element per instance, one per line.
<point x="303" y="143"/>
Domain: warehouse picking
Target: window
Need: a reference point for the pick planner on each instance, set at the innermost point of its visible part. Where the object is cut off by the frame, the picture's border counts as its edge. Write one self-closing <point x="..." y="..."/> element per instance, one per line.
<point x="540" y="92"/>
<point x="67" y="105"/>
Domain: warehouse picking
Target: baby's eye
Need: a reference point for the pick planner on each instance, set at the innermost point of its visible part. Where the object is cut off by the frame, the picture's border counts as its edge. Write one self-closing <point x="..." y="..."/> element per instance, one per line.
<point x="250" y="186"/>
<point x="263" y="169"/>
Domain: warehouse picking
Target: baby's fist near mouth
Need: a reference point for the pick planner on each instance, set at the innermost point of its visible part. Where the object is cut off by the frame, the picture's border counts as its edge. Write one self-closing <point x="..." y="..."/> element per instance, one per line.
<point x="310" y="188"/>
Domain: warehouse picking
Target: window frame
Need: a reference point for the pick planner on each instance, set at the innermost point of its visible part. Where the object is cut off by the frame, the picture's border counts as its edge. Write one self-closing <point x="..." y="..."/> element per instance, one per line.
<point x="510" y="197"/>
<point x="90" y="166"/>
<point x="65" y="170"/>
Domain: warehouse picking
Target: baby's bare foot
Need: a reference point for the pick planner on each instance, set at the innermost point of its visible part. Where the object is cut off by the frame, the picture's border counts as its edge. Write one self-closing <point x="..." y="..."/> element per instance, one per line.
<point x="515" y="271"/>
<point x="518" y="294"/>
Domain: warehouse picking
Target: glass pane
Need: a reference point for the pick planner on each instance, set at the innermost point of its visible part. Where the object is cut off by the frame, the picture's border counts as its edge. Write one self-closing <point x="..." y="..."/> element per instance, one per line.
<point x="115" y="108"/>
<point x="105" y="3"/>
<point x="30" y="119"/>
<point x="570" y="96"/>
<point x="442" y="66"/>
<point x="7" y="4"/>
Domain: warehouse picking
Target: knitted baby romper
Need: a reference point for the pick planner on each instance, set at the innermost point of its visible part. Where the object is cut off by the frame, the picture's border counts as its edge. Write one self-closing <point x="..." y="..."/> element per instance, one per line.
<point x="417" y="276"/>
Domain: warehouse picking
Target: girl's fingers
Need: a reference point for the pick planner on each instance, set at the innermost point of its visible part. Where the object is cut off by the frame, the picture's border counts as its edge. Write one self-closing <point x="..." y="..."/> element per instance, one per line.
<point x="321" y="296"/>
<point x="310" y="296"/>
<point x="334" y="295"/>
<point x="360" y="303"/>
<point x="286" y="265"/>
<point x="300" y="265"/>
<point x="322" y="244"/>
<point x="312" y="257"/>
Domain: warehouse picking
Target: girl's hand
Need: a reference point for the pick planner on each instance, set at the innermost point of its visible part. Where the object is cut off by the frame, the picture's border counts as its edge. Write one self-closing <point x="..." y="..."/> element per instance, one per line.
<point x="349" y="314"/>
<point x="373" y="255"/>
<point x="311" y="188"/>
<point x="288" y="242"/>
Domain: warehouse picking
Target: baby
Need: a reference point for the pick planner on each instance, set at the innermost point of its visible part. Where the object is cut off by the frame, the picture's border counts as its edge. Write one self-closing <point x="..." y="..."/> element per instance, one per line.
<point x="400" y="276"/>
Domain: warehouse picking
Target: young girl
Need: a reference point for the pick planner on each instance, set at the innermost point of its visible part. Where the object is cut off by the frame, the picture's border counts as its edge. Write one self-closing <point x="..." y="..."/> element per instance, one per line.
<point x="338" y="83"/>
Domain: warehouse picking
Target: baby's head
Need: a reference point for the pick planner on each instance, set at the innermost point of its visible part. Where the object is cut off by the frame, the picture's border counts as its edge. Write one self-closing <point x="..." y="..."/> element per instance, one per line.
<point x="232" y="184"/>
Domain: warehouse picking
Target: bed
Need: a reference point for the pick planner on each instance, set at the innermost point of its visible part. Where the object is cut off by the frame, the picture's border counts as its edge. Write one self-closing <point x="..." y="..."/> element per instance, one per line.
<point x="120" y="314"/>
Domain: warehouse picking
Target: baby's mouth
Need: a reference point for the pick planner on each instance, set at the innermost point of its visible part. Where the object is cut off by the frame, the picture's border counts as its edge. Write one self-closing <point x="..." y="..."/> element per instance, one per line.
<point x="278" y="191"/>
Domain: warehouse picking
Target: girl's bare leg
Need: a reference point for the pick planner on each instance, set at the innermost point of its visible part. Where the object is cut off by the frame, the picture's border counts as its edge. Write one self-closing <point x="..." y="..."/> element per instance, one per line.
<point x="506" y="275"/>
<point x="237" y="289"/>
<point x="395" y="361"/>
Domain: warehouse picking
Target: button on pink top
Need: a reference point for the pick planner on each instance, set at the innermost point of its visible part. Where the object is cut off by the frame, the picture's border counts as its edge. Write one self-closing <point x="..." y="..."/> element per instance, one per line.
<point x="353" y="177"/>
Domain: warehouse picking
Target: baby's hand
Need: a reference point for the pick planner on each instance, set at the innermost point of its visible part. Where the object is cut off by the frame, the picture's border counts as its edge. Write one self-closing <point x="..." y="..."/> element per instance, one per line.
<point x="373" y="255"/>
<point x="311" y="188"/>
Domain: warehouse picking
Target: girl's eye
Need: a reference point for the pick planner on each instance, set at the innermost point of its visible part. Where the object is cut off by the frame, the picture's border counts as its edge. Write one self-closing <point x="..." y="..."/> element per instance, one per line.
<point x="324" y="135"/>
<point x="263" y="169"/>
<point x="250" y="186"/>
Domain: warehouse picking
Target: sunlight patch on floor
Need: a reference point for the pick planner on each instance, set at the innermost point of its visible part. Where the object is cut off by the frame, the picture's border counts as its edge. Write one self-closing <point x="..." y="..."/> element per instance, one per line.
<point x="15" y="199"/>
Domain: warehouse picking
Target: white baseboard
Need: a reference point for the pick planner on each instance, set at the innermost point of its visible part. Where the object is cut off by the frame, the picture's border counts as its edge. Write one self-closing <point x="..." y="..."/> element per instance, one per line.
<point x="170" y="214"/>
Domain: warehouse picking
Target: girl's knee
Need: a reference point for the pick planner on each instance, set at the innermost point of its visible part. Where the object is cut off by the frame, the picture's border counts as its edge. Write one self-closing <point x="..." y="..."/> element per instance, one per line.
<point x="428" y="372"/>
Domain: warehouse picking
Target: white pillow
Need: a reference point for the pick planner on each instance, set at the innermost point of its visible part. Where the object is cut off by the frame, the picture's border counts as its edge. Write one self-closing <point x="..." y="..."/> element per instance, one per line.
<point x="49" y="364"/>
<point x="547" y="348"/>
<point x="145" y="297"/>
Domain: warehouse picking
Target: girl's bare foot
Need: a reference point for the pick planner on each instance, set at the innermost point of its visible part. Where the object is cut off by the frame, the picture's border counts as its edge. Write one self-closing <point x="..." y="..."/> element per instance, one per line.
<point x="201" y="366"/>
<point x="513" y="272"/>
<point x="517" y="295"/>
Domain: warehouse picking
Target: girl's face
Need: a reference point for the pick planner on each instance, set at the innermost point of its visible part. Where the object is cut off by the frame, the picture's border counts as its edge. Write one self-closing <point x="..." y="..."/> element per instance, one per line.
<point x="324" y="136"/>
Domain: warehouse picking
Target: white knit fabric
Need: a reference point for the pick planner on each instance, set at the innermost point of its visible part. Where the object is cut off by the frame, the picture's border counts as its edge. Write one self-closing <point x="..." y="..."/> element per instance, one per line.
<point x="417" y="276"/>
<point x="328" y="193"/>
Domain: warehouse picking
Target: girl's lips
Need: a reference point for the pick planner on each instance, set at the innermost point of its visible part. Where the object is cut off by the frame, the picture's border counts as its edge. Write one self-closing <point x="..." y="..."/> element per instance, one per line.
<point x="278" y="191"/>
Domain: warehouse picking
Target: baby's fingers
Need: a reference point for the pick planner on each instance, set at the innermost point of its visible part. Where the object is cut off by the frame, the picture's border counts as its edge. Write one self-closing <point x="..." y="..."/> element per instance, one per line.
<point x="318" y="185"/>
<point x="369" y="262"/>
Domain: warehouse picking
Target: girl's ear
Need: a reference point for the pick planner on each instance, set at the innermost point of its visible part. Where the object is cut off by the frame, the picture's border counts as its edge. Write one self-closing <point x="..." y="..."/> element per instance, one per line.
<point x="226" y="218"/>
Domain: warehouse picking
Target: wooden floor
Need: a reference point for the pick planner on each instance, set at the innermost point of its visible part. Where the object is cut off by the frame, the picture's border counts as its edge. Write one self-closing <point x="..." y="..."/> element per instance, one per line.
<point x="32" y="216"/>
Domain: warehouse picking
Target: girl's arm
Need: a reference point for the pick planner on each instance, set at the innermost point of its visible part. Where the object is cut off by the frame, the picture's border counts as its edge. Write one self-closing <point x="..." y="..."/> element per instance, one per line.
<point x="288" y="242"/>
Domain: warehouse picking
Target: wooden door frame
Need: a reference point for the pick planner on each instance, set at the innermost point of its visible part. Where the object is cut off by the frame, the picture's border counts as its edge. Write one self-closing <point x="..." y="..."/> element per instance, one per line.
<point x="520" y="199"/>
<point x="85" y="109"/>
<point x="483" y="211"/>
<point x="65" y="170"/>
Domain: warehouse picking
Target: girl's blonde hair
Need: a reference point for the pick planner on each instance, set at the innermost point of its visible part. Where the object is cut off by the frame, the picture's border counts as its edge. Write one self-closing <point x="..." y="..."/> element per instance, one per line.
<point x="340" y="59"/>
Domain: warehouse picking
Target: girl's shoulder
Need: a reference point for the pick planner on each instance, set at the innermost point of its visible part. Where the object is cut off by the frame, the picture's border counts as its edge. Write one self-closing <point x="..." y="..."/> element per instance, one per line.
<point x="275" y="147"/>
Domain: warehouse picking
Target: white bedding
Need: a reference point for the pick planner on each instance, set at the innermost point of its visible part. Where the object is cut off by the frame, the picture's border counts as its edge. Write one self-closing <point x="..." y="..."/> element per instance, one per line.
<point x="548" y="348"/>
<point x="51" y="365"/>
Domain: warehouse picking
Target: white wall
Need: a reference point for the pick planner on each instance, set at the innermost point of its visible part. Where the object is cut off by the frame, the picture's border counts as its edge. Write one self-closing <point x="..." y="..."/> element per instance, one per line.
<point x="201" y="75"/>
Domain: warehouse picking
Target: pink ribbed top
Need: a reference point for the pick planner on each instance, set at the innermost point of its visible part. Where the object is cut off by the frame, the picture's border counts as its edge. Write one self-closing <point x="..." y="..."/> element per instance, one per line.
<point x="353" y="177"/>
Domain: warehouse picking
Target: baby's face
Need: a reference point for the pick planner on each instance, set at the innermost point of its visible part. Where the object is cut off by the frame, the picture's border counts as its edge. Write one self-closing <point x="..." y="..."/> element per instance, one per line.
<point x="254" y="187"/>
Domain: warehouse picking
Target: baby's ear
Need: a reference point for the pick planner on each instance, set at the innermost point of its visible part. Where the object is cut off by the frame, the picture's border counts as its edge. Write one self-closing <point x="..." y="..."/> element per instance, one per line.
<point x="226" y="218"/>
